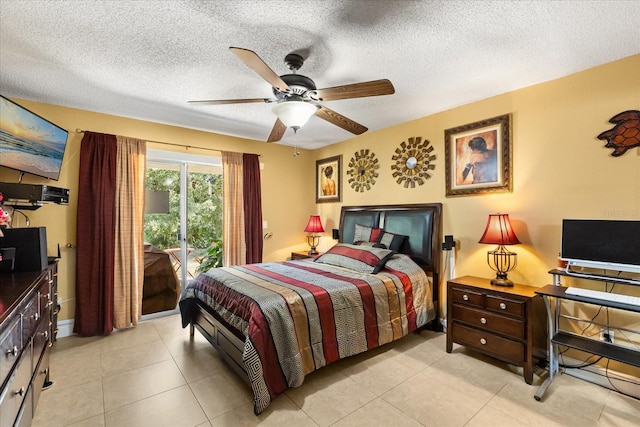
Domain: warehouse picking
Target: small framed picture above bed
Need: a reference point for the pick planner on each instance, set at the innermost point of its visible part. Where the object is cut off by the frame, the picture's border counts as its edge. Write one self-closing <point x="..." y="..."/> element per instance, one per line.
<point x="329" y="180"/>
<point x="478" y="157"/>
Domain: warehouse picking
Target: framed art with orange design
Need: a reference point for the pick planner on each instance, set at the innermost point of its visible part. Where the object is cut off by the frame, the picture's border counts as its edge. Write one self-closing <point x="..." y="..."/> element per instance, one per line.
<point x="478" y="157"/>
<point x="329" y="180"/>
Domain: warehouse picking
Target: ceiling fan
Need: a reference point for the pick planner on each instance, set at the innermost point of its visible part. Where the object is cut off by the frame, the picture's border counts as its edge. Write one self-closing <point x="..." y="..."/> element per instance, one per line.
<point x="297" y="98"/>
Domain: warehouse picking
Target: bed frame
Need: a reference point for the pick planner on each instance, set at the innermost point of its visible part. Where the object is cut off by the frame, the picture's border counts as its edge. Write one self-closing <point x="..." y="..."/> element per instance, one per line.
<point x="422" y="222"/>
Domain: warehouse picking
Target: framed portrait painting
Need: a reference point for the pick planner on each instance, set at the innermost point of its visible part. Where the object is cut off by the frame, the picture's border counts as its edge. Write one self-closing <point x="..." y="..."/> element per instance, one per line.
<point x="478" y="157"/>
<point x="329" y="180"/>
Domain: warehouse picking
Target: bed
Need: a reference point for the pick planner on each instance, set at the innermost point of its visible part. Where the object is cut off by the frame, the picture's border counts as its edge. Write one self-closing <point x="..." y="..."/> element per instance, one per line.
<point x="274" y="323"/>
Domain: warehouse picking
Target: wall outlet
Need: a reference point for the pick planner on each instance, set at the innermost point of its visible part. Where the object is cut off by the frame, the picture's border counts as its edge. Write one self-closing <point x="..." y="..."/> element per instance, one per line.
<point x="606" y="335"/>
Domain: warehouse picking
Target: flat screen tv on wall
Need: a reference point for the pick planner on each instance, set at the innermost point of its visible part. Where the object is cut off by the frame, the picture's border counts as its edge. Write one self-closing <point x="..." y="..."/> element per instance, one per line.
<point x="30" y="143"/>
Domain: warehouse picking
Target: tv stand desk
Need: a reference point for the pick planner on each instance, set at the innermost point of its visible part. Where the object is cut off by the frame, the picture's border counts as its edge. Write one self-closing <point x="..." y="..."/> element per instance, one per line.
<point x="553" y="295"/>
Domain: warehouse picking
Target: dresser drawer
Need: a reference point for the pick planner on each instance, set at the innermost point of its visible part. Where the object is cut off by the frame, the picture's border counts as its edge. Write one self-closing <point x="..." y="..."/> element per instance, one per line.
<point x="467" y="296"/>
<point x="490" y="322"/>
<point x="505" y="306"/>
<point x="506" y="349"/>
<point x="16" y="389"/>
<point x="10" y="346"/>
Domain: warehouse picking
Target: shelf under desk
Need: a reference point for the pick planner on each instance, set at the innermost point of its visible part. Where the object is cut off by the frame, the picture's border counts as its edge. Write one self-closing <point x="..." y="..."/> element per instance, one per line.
<point x="553" y="296"/>
<point x="561" y="292"/>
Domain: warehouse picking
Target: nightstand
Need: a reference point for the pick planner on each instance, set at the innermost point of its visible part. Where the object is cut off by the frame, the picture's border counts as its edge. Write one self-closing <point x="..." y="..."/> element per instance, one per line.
<point x="303" y="255"/>
<point x="502" y="322"/>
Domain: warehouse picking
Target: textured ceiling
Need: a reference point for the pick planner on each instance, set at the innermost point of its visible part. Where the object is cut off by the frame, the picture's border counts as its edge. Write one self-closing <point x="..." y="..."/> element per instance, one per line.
<point x="146" y="59"/>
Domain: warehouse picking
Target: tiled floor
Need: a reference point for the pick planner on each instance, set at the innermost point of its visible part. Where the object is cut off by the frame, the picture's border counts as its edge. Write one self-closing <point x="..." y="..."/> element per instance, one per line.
<point x="155" y="375"/>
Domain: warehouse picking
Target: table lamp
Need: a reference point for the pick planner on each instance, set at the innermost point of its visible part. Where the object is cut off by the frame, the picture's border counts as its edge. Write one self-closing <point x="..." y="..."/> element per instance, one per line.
<point x="314" y="226"/>
<point x="499" y="232"/>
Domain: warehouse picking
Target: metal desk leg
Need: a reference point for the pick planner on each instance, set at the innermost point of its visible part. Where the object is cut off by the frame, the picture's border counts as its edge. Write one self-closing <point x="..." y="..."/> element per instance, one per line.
<point x="552" y="320"/>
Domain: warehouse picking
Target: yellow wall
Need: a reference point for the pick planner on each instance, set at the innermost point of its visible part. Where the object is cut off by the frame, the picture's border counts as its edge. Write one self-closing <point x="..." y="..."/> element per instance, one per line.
<point x="560" y="170"/>
<point x="286" y="200"/>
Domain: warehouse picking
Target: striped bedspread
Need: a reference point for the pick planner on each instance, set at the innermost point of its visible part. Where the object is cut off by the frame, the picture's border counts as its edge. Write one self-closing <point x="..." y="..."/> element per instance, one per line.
<point x="299" y="316"/>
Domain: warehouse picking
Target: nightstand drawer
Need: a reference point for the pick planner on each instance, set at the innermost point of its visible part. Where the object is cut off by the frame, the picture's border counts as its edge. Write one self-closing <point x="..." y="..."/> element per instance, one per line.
<point x="466" y="296"/>
<point x="489" y="321"/>
<point x="504" y="348"/>
<point x="505" y="306"/>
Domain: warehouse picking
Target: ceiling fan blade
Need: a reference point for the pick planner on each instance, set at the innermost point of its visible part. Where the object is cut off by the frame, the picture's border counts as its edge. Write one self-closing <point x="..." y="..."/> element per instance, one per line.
<point x="277" y="132"/>
<point x="340" y="120"/>
<point x="357" y="90"/>
<point x="231" y="101"/>
<point x="253" y="61"/>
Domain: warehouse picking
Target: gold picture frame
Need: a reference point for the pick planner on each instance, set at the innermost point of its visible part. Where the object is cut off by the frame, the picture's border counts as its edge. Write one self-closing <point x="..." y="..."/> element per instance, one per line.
<point x="329" y="180"/>
<point x="478" y="157"/>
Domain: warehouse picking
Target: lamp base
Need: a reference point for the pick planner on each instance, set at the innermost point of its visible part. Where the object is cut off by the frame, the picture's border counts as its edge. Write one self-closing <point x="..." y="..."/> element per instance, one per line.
<point x="501" y="282"/>
<point x="313" y="251"/>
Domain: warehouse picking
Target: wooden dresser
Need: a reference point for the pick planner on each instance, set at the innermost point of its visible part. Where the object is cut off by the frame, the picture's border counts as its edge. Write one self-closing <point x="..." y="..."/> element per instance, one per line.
<point x="28" y="313"/>
<point x="507" y="323"/>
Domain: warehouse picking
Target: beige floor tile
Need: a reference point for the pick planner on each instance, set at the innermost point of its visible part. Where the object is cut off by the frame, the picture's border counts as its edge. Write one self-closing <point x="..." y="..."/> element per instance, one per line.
<point x="59" y="407"/>
<point x="134" y="356"/>
<point x="475" y="375"/>
<point x="281" y="412"/>
<point x="97" y="421"/>
<point x="377" y="413"/>
<point x="174" y="408"/>
<point x="568" y="402"/>
<point x="121" y="339"/>
<point x="620" y="411"/>
<point x="169" y="326"/>
<point x="182" y="345"/>
<point x="436" y="398"/>
<point x="205" y="424"/>
<point x="220" y="393"/>
<point x="201" y="364"/>
<point x="74" y="366"/>
<point x="328" y="395"/>
<point x="488" y="416"/>
<point x="377" y="373"/>
<point x="137" y="384"/>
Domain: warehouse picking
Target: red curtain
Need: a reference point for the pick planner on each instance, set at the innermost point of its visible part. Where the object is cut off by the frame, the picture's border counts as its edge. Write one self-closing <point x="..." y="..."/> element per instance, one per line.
<point x="252" y="200"/>
<point x="95" y="240"/>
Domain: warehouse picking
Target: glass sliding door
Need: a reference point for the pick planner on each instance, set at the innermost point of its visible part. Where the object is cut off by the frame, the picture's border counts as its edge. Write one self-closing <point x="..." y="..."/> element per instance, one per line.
<point x="182" y="234"/>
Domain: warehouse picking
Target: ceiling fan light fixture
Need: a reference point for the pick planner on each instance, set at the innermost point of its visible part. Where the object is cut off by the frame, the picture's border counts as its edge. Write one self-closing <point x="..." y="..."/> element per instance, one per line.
<point x="294" y="114"/>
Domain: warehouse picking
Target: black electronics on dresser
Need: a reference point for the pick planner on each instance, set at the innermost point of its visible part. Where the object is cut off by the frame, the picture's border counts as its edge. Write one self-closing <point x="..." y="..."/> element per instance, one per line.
<point x="31" y="247"/>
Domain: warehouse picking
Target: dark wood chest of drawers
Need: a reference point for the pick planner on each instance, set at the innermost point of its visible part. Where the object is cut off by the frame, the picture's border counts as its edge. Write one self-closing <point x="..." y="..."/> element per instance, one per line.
<point x="28" y="311"/>
<point x="507" y="323"/>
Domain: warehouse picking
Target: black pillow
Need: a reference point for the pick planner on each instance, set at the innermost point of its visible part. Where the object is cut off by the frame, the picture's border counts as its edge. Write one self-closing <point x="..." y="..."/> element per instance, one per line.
<point x="392" y="241"/>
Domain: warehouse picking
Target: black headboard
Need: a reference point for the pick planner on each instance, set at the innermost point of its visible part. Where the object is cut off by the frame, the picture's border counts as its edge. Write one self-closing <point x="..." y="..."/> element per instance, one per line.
<point x="421" y="222"/>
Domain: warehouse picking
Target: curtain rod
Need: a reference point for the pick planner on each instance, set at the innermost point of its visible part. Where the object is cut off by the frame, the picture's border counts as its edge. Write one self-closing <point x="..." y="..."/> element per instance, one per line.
<point x="78" y="130"/>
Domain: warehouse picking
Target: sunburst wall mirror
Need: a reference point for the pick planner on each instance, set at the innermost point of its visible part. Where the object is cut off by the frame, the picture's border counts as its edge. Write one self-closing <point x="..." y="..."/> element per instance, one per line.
<point x="413" y="161"/>
<point x="363" y="170"/>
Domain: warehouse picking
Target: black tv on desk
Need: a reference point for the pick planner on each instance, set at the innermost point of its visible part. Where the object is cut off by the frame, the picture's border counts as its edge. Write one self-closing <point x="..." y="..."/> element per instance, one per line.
<point x="601" y="244"/>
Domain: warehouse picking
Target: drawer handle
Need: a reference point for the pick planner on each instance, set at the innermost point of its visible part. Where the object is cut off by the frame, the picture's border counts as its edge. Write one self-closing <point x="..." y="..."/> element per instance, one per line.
<point x="45" y="335"/>
<point x="49" y="303"/>
<point x="36" y="316"/>
<point x="19" y="392"/>
<point x="503" y="306"/>
<point x="50" y="281"/>
<point x="465" y="297"/>
<point x="13" y="351"/>
<point x="483" y="341"/>
<point x="45" y="371"/>
<point x="483" y="320"/>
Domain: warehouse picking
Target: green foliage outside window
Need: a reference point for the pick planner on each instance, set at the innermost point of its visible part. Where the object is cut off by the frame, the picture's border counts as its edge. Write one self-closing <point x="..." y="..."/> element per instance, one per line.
<point x="204" y="207"/>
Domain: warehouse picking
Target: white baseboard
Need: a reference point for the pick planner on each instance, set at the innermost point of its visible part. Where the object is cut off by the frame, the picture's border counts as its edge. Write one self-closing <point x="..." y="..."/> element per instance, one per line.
<point x="599" y="375"/>
<point x="65" y="328"/>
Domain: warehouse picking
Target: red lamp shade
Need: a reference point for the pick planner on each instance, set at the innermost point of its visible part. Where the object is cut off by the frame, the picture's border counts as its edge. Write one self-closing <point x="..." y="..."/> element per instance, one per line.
<point x="314" y="225"/>
<point x="499" y="231"/>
